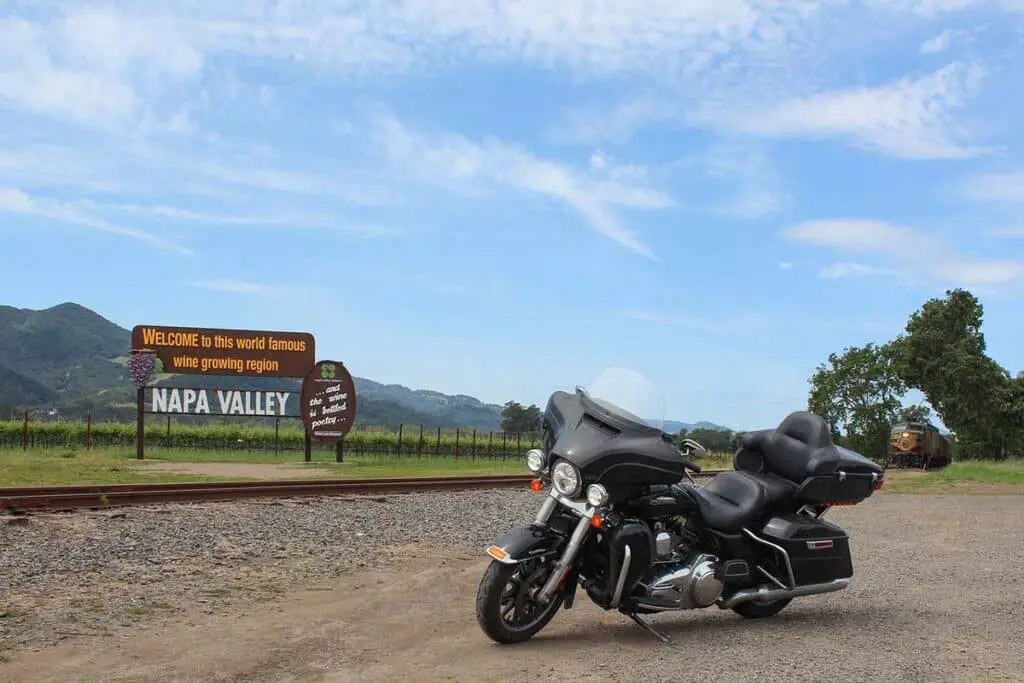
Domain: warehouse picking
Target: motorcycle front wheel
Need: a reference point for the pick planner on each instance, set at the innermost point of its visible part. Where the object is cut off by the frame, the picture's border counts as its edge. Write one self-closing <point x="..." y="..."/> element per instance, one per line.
<point x="506" y="600"/>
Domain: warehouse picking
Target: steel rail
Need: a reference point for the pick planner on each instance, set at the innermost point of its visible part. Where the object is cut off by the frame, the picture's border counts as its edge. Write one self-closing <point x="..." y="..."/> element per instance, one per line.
<point x="24" y="498"/>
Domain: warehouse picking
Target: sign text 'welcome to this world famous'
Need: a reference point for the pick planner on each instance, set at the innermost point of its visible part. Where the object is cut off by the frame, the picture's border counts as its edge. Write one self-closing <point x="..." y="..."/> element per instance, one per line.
<point x="227" y="402"/>
<point x="197" y="351"/>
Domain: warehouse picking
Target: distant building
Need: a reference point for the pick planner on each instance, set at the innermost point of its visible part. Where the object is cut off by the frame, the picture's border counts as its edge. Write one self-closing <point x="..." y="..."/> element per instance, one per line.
<point x="1020" y="374"/>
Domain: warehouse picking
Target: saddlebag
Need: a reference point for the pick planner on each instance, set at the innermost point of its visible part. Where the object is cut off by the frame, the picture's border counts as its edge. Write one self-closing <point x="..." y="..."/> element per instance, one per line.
<point x="818" y="551"/>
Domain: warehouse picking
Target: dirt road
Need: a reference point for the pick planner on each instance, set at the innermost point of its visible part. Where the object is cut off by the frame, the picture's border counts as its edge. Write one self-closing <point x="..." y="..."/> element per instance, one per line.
<point x="932" y="600"/>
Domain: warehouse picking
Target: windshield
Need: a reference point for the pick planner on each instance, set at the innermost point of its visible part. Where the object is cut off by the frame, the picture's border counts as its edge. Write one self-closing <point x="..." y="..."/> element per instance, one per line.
<point x="630" y="394"/>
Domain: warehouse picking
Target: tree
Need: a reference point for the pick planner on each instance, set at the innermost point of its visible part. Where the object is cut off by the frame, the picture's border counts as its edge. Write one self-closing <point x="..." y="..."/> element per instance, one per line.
<point x="517" y="419"/>
<point x="859" y="391"/>
<point x="942" y="354"/>
<point x="916" y="413"/>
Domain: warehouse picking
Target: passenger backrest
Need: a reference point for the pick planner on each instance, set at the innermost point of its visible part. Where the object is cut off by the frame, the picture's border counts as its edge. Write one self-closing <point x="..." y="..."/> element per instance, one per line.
<point x="801" y="446"/>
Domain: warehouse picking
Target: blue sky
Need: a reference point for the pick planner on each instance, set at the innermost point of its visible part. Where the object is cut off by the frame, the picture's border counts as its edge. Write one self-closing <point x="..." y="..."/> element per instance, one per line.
<point x="502" y="198"/>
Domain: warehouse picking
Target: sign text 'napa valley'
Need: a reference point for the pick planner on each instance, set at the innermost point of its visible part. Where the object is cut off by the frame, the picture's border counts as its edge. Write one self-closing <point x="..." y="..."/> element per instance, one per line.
<point x="178" y="401"/>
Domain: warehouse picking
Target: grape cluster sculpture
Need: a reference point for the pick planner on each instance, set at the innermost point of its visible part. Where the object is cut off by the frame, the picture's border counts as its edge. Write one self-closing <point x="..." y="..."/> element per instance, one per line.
<point x="141" y="367"/>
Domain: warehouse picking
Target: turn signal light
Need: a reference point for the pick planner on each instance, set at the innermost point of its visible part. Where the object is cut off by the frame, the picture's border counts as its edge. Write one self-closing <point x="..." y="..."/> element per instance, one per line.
<point x="878" y="484"/>
<point x="596" y="521"/>
<point x="536" y="485"/>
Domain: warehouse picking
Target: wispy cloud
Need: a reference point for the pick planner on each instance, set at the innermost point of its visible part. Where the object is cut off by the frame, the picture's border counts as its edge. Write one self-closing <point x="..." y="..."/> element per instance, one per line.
<point x="462" y="165"/>
<point x="234" y="286"/>
<point x="908" y="118"/>
<point x="937" y="44"/>
<point x="1006" y="187"/>
<point x="932" y="259"/>
<point x="13" y="200"/>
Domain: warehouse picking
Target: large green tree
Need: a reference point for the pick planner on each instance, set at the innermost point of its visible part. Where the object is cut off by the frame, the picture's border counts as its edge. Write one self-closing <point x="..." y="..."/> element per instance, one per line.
<point x="858" y="393"/>
<point x="942" y="354"/>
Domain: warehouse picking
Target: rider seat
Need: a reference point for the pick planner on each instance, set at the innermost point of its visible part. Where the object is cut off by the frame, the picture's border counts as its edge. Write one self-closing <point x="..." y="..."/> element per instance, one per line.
<point x="730" y="501"/>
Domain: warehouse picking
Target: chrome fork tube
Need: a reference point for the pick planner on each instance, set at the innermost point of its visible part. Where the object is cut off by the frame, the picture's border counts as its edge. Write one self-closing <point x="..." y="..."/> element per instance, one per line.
<point x="546" y="508"/>
<point x="566" y="560"/>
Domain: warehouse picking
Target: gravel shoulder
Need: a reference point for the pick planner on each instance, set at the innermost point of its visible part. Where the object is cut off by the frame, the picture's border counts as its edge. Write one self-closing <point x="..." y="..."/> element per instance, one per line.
<point x="334" y="590"/>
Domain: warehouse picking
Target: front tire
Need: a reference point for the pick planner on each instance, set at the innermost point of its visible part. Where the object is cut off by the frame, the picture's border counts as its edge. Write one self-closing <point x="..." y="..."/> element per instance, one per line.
<point x="509" y="590"/>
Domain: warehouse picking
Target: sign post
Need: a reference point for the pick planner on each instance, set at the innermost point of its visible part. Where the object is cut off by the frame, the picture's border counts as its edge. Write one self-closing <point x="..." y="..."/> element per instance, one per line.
<point x="328" y="404"/>
<point x="216" y="352"/>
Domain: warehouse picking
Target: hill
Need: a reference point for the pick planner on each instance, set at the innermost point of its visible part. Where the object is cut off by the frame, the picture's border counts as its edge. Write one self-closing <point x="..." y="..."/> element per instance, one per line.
<point x="70" y="359"/>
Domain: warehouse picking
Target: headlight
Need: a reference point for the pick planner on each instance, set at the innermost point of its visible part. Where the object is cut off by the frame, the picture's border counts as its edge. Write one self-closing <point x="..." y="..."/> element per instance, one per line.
<point x="597" y="495"/>
<point x="535" y="460"/>
<point x="566" y="479"/>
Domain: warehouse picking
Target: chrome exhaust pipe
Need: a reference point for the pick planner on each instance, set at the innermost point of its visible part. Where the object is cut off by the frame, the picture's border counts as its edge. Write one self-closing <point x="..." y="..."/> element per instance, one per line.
<point x="772" y="594"/>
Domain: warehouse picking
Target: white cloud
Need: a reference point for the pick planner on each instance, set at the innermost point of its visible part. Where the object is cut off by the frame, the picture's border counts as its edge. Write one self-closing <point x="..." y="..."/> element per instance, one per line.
<point x="235" y="286"/>
<point x="785" y="265"/>
<point x="931" y="259"/>
<point x="937" y="44"/>
<point x="462" y="165"/>
<point x="13" y="200"/>
<point x="908" y="118"/>
<point x="1005" y="187"/>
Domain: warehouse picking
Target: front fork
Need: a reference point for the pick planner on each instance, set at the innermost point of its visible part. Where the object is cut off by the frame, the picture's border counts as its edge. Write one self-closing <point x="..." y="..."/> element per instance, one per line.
<point x="579" y="534"/>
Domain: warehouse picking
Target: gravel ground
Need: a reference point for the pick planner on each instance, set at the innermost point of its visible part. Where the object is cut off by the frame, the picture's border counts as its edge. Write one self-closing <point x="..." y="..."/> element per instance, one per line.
<point x="936" y="597"/>
<point x="87" y="573"/>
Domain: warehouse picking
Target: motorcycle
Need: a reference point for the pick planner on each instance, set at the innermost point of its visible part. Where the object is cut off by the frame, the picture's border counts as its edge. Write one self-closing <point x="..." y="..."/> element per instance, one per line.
<point x="619" y="521"/>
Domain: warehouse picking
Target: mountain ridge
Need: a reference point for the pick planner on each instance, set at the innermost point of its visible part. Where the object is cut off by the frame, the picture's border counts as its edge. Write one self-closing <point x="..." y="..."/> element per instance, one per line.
<point x="69" y="358"/>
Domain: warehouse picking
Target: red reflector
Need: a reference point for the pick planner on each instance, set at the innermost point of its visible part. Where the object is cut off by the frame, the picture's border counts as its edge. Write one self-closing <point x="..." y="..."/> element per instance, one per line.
<point x="820" y="545"/>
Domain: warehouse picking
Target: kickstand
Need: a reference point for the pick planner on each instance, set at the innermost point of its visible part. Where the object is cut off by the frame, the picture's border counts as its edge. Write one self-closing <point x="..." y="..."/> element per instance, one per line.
<point x="647" y="627"/>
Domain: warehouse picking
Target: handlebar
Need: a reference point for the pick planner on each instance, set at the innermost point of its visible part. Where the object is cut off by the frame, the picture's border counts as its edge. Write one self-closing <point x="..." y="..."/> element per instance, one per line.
<point x="688" y="446"/>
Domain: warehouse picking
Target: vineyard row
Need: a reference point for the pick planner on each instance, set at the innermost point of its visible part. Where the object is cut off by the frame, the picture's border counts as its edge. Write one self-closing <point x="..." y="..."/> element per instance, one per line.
<point x="414" y="440"/>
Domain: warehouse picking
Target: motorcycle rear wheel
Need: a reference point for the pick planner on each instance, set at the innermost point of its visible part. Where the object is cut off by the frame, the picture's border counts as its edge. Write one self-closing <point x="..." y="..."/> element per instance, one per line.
<point x="514" y="586"/>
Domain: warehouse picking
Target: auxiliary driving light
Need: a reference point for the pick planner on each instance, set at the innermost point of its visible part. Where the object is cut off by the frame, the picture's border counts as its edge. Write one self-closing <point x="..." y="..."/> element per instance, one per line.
<point x="535" y="459"/>
<point x="597" y="495"/>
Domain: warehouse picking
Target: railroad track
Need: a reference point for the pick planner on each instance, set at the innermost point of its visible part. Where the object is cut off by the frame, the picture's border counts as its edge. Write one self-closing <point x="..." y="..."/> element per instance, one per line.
<point x="29" y="498"/>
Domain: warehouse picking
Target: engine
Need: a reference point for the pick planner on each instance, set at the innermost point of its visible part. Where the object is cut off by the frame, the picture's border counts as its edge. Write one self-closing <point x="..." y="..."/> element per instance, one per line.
<point x="680" y="577"/>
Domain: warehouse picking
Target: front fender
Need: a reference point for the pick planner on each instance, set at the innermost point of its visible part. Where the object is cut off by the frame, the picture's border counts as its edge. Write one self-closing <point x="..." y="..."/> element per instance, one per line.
<point x="525" y="543"/>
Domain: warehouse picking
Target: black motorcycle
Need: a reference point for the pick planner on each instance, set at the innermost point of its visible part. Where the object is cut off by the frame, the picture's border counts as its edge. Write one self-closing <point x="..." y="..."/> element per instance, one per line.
<point x="619" y="520"/>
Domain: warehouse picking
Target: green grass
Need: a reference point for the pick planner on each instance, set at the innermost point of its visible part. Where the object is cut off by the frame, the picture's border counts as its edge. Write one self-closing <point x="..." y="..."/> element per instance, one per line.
<point x="67" y="466"/>
<point x="117" y="465"/>
<point x="968" y="476"/>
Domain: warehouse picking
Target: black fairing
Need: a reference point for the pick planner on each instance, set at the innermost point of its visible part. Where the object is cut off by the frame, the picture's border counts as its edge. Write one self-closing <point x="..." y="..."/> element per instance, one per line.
<point x="608" y="446"/>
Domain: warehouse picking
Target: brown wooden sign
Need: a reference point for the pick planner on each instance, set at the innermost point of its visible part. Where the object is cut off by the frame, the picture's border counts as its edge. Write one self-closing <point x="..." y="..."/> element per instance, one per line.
<point x="328" y="401"/>
<point x="246" y="353"/>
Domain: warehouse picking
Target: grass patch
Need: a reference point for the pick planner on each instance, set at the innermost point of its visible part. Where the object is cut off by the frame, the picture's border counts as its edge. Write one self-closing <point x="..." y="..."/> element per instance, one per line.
<point x="116" y="465"/>
<point x="973" y="476"/>
<point x="68" y="466"/>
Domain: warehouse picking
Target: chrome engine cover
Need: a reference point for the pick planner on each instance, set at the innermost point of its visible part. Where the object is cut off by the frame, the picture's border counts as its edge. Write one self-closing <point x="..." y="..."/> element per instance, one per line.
<point x="697" y="583"/>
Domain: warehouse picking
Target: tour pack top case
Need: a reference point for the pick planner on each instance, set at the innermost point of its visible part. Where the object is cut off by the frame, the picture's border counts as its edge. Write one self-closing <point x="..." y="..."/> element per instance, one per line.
<point x="801" y="450"/>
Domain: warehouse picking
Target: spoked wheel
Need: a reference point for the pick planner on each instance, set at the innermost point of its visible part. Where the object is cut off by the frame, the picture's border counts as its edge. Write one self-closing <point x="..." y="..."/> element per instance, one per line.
<point x="507" y="604"/>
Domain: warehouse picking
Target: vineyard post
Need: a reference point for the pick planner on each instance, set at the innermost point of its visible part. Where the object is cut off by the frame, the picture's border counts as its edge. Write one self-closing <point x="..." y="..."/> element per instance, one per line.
<point x="437" y="448"/>
<point x="277" y="434"/>
<point x="457" y="432"/>
<point x="140" y="422"/>
<point x="308" y="445"/>
<point x="168" y="429"/>
<point x="398" y="450"/>
<point x="419" y="448"/>
<point x="519" y="449"/>
<point x="24" y="432"/>
<point x="504" y="445"/>
<point x="339" y="450"/>
<point x="88" y="431"/>
<point x="472" y="451"/>
<point x="490" y="444"/>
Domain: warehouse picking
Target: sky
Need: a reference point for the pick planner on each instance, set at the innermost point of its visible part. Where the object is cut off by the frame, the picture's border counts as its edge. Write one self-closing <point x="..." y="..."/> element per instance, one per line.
<point x="503" y="198"/>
